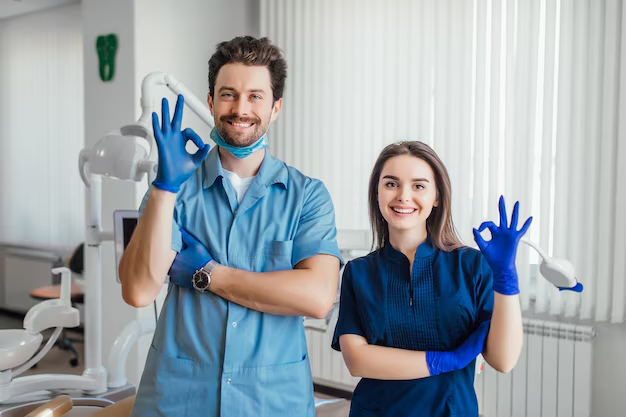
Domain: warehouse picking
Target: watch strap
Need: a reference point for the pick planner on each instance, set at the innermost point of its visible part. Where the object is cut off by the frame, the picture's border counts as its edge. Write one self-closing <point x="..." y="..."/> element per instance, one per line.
<point x="210" y="266"/>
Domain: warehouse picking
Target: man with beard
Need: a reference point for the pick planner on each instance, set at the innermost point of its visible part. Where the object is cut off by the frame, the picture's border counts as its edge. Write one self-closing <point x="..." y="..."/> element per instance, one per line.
<point x="250" y="247"/>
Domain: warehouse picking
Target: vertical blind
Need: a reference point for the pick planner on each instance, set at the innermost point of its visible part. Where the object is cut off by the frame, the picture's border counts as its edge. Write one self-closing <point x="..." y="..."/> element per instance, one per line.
<point x="518" y="98"/>
<point x="41" y="128"/>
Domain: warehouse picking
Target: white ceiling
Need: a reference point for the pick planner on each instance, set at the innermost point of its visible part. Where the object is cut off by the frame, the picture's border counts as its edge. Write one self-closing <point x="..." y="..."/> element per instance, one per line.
<point x="11" y="8"/>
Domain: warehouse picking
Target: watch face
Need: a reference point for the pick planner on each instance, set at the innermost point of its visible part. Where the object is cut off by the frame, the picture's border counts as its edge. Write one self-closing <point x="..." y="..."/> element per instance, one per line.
<point x="201" y="280"/>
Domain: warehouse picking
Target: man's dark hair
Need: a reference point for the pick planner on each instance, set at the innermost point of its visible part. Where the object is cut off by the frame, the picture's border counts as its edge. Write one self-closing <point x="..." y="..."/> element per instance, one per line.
<point x="250" y="51"/>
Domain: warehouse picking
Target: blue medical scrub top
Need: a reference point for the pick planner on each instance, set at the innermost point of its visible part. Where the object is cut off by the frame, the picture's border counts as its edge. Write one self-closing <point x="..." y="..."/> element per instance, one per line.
<point x="209" y="356"/>
<point x="433" y="307"/>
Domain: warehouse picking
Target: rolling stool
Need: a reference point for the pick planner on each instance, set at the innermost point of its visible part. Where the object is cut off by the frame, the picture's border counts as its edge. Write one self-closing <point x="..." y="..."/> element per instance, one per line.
<point x="50" y="292"/>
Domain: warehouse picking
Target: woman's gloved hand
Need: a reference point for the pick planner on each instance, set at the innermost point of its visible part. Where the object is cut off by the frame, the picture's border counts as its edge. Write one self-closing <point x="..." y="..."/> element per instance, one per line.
<point x="175" y="164"/>
<point x="500" y="251"/>
<point x="459" y="358"/>
<point x="191" y="258"/>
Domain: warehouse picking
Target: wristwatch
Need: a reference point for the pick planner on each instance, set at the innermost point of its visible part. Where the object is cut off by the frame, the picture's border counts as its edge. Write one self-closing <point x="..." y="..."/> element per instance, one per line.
<point x="202" y="277"/>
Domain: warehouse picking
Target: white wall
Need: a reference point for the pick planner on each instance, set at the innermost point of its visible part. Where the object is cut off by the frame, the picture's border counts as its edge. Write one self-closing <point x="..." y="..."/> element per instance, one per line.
<point x="180" y="37"/>
<point x="608" y="396"/>
<point x="17" y="7"/>
<point x="107" y="106"/>
<point x="176" y="37"/>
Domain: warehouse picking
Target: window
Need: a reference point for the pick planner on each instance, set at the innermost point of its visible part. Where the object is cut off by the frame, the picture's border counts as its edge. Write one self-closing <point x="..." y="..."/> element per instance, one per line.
<point x="517" y="98"/>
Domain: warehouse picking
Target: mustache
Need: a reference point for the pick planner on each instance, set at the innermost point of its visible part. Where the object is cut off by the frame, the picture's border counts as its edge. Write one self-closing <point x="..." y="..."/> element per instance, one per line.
<point x="236" y="119"/>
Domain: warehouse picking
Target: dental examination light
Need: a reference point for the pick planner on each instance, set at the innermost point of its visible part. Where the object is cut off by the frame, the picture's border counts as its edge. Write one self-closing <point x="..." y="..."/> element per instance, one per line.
<point x="122" y="154"/>
<point x="559" y="272"/>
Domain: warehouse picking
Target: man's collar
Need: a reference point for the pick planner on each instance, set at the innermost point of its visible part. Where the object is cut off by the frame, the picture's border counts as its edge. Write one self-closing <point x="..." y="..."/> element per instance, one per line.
<point x="272" y="170"/>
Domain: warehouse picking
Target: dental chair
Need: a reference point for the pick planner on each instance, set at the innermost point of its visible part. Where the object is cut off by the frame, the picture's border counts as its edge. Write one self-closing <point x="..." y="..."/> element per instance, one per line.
<point x="64" y="405"/>
<point x="51" y="292"/>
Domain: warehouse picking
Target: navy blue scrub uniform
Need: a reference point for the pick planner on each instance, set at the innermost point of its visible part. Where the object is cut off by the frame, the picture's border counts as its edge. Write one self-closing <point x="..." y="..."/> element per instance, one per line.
<point x="436" y="306"/>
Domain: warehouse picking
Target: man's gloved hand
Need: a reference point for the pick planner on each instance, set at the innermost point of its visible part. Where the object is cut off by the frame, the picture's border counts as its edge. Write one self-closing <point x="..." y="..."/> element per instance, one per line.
<point x="459" y="358"/>
<point x="191" y="258"/>
<point x="175" y="164"/>
<point x="500" y="251"/>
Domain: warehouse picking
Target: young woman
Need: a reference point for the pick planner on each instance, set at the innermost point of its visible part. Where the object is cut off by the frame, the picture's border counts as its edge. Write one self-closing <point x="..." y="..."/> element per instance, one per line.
<point x="415" y="313"/>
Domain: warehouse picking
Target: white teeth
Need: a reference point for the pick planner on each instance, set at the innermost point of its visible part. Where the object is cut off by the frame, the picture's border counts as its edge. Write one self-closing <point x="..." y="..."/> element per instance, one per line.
<point x="403" y="211"/>
<point x="242" y="124"/>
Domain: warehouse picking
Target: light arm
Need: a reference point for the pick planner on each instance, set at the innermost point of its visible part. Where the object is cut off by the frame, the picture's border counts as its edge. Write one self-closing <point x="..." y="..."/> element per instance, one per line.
<point x="149" y="100"/>
<point x="535" y="247"/>
<point x="559" y="272"/>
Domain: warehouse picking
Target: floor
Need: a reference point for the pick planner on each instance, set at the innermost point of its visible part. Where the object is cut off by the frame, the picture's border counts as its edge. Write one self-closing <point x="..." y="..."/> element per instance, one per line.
<point x="58" y="361"/>
<point x="340" y="408"/>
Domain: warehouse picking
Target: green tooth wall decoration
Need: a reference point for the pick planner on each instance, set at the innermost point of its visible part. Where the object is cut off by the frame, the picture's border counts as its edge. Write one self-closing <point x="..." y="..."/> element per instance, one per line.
<point x="106" y="46"/>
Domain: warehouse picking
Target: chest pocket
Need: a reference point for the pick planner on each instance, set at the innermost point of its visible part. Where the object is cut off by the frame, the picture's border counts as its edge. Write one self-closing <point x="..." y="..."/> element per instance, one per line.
<point x="277" y="255"/>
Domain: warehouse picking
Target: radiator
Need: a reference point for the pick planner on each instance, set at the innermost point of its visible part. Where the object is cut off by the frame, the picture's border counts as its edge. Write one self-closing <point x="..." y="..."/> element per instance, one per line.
<point x="23" y="269"/>
<point x="552" y="377"/>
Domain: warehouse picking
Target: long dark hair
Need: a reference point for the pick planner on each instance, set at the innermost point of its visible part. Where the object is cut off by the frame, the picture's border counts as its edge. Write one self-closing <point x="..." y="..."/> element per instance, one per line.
<point x="439" y="224"/>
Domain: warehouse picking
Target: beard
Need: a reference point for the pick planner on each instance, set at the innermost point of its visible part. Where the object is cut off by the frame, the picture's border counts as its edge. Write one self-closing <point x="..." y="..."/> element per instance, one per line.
<point x="241" y="139"/>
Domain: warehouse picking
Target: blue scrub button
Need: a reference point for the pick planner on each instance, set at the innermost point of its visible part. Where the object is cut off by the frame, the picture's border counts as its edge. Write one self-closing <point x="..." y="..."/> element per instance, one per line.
<point x="228" y="381"/>
<point x="234" y="324"/>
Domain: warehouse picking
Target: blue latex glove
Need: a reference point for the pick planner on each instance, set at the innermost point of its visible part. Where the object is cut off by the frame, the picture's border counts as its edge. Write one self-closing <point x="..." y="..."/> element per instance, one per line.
<point x="175" y="164"/>
<point x="191" y="258"/>
<point x="459" y="358"/>
<point x="501" y="249"/>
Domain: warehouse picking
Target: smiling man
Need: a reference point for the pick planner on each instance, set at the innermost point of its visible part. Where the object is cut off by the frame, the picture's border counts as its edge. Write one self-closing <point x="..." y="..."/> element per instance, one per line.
<point x="250" y="247"/>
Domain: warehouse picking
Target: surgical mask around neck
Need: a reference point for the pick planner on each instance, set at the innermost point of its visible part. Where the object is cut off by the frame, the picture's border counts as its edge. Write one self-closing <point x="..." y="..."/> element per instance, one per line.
<point x="239" y="152"/>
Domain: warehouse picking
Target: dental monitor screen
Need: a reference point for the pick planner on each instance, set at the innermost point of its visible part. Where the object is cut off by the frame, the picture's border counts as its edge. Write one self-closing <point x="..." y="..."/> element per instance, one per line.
<point x="124" y="223"/>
